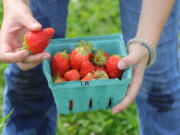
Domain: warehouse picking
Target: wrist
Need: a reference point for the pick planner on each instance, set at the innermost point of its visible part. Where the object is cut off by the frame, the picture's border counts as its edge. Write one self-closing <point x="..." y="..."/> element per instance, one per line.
<point x="148" y="37"/>
<point x="7" y="3"/>
<point x="146" y="45"/>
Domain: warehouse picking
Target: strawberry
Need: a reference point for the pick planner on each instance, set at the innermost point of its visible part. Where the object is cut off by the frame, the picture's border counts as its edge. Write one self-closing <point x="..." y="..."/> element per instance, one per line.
<point x="101" y="68"/>
<point x="100" y="74"/>
<point x="58" y="79"/>
<point x="88" y="77"/>
<point x="100" y="58"/>
<point x="60" y="63"/>
<point x="86" y="67"/>
<point x="72" y="75"/>
<point x="112" y="66"/>
<point x="82" y="52"/>
<point x="77" y="56"/>
<point x="36" y="41"/>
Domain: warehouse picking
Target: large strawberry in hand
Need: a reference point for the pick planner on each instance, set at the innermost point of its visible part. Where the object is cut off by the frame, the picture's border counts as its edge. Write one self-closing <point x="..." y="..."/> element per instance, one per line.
<point x="36" y="41"/>
<point x="112" y="66"/>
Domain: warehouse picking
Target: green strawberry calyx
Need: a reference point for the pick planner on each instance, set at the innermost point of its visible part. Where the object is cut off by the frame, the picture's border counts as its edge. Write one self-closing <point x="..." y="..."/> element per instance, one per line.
<point x="87" y="46"/>
<point x="99" y="58"/>
<point x="57" y="78"/>
<point x="82" y="51"/>
<point x="25" y="46"/>
<point x="64" y="54"/>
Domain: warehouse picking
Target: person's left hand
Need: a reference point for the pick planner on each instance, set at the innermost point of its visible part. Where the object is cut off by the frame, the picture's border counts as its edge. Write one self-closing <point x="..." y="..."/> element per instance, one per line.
<point x="138" y="56"/>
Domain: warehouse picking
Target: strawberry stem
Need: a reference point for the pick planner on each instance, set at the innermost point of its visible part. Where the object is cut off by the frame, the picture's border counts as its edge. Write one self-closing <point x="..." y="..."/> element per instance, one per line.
<point x="25" y="47"/>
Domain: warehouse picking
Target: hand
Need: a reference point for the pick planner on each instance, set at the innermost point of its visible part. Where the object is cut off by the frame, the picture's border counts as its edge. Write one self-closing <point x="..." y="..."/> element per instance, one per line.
<point x="138" y="56"/>
<point x="17" y="20"/>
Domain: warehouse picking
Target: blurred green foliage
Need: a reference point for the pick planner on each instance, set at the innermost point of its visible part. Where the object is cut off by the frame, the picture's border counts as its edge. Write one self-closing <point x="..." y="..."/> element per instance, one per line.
<point x="86" y="18"/>
<point x="99" y="17"/>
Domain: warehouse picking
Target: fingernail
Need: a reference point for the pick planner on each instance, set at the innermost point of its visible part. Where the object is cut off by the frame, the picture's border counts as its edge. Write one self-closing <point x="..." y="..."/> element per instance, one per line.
<point x="122" y="65"/>
<point x="45" y="57"/>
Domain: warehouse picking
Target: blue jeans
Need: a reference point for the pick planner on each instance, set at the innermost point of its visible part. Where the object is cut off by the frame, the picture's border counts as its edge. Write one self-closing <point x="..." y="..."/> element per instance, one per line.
<point x="157" y="102"/>
<point x="27" y="92"/>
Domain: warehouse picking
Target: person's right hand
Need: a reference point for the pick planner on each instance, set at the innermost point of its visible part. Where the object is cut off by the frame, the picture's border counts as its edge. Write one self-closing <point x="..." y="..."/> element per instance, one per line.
<point x="17" y="20"/>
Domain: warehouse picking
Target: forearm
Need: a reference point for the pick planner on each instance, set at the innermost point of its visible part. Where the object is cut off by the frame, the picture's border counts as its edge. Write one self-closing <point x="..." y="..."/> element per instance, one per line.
<point x="154" y="14"/>
<point x="17" y="1"/>
<point x="8" y="4"/>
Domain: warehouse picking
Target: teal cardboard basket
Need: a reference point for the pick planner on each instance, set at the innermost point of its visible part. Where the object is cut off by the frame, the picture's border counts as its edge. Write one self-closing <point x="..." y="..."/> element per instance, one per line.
<point x="103" y="93"/>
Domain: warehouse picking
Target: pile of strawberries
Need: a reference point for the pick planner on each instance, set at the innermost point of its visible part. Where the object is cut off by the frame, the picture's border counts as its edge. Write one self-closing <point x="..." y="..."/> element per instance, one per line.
<point x="81" y="64"/>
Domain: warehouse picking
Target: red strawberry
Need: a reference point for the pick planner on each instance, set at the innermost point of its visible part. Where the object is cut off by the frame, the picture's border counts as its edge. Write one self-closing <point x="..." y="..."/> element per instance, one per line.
<point x="60" y="63"/>
<point x="112" y="66"/>
<point x="80" y="53"/>
<point x="50" y="32"/>
<point x="100" y="58"/>
<point x="106" y="55"/>
<point x="72" y="75"/>
<point x="77" y="56"/>
<point x="100" y="74"/>
<point x="37" y="41"/>
<point x="86" y="67"/>
<point x="88" y="77"/>
<point x="58" y="79"/>
<point x="100" y="68"/>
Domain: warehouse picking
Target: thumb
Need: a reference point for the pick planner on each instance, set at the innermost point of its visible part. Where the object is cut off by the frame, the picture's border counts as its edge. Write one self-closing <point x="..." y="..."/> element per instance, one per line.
<point x="136" y="53"/>
<point x="127" y="61"/>
<point x="31" y="23"/>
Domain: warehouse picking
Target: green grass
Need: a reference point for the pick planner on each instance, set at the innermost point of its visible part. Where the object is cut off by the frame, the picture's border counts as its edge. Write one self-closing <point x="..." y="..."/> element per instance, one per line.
<point x="98" y="17"/>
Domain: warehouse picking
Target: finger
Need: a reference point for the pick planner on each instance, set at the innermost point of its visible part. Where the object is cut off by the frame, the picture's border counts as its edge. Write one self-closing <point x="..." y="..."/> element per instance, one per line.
<point x="37" y="57"/>
<point x="30" y="23"/>
<point x="133" y="89"/>
<point x="13" y="57"/>
<point x="27" y="66"/>
<point x="136" y="53"/>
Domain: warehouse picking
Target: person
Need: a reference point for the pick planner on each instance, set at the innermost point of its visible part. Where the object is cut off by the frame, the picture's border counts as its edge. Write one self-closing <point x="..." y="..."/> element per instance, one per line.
<point x="26" y="88"/>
